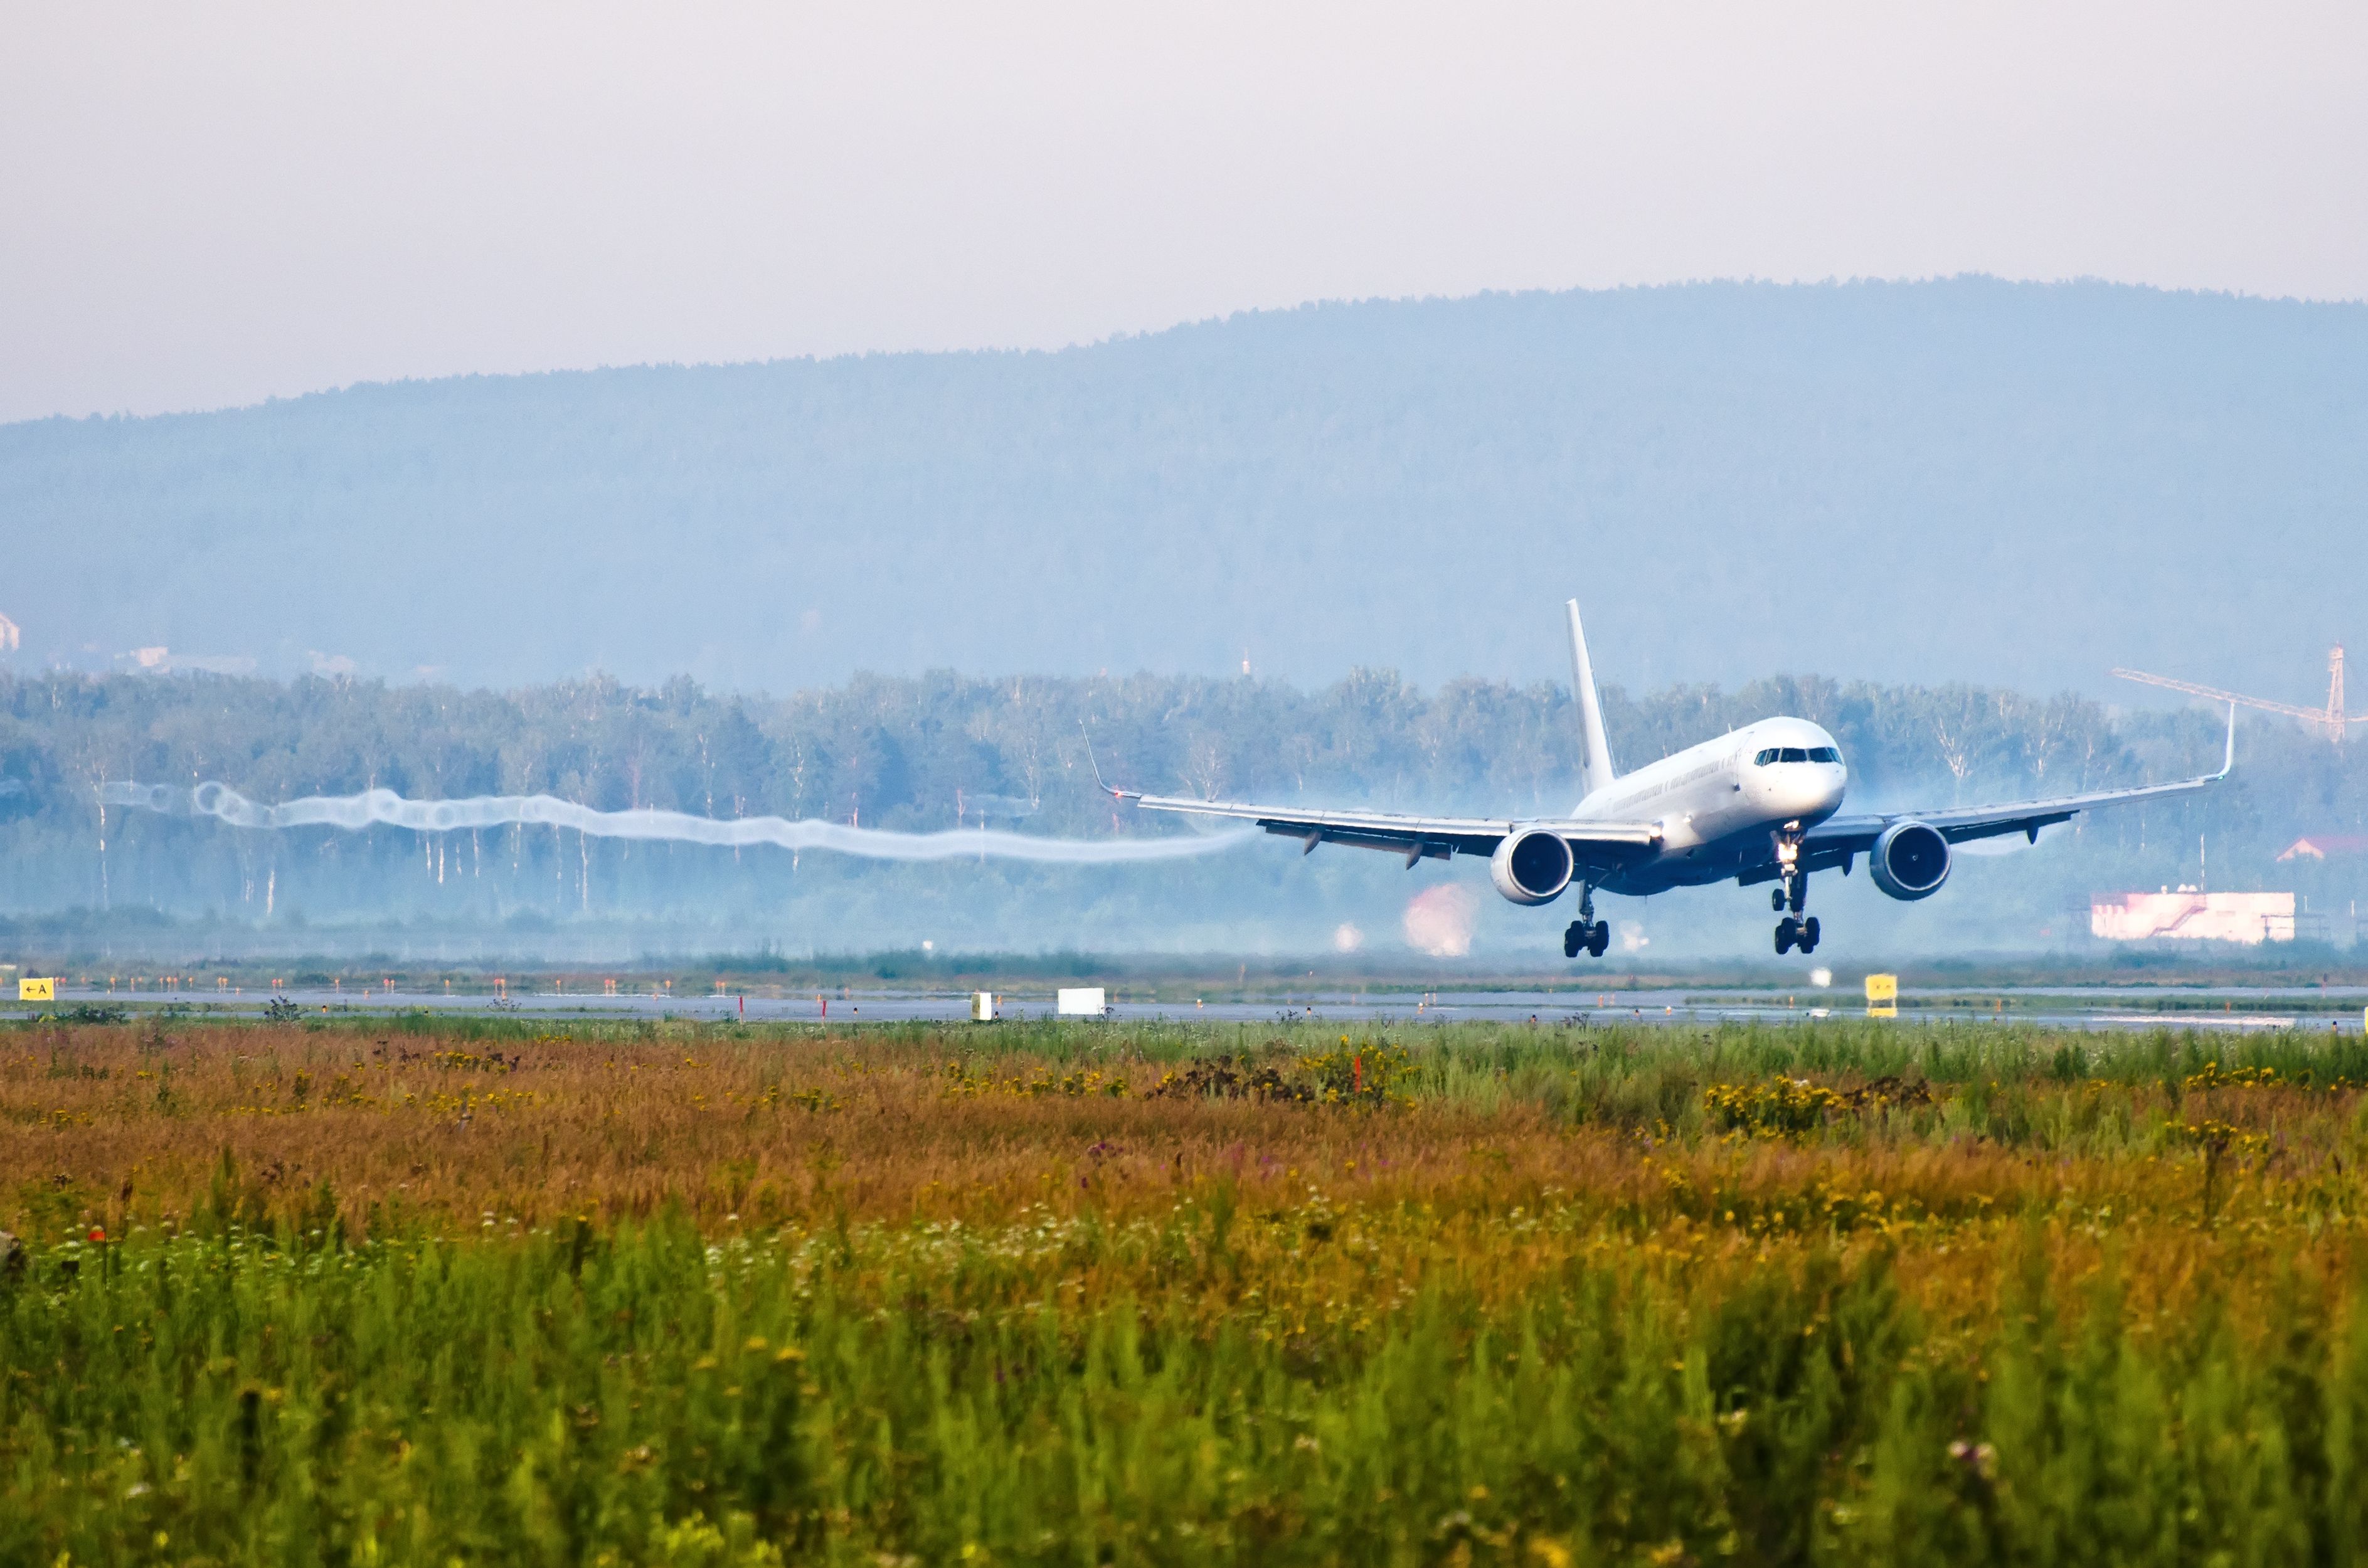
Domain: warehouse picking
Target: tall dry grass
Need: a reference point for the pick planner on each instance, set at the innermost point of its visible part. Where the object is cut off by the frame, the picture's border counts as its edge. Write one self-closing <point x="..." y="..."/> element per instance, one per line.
<point x="427" y="1290"/>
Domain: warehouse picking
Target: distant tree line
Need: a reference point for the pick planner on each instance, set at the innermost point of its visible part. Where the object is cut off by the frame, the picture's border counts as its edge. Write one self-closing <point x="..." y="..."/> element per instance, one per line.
<point x="944" y="750"/>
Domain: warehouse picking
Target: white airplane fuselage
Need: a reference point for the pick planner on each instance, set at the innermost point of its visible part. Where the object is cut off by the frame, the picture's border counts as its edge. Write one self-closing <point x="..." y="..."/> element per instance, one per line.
<point x="1719" y="807"/>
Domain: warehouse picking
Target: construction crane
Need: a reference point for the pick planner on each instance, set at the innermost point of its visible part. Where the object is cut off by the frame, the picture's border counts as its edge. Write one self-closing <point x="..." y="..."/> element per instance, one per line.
<point x="2330" y="718"/>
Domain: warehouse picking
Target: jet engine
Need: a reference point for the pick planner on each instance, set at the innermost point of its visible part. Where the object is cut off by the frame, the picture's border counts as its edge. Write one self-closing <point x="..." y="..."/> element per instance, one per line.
<point x="1532" y="865"/>
<point x="1910" y="860"/>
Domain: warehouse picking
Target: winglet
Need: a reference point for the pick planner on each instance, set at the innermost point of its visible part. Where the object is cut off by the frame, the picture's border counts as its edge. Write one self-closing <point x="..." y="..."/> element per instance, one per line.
<point x="2228" y="762"/>
<point x="1105" y="789"/>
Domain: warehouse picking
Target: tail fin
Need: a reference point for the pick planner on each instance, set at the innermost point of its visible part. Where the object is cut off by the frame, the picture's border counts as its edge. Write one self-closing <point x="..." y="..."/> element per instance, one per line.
<point x="1595" y="768"/>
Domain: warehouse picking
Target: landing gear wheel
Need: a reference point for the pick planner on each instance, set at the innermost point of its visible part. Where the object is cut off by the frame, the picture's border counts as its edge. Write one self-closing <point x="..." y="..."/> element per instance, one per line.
<point x="1809" y="934"/>
<point x="1583" y="937"/>
<point x="1776" y="900"/>
<point x="1788" y="931"/>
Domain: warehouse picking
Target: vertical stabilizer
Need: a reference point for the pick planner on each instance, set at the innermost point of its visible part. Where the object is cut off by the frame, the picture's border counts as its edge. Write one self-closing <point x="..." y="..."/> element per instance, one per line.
<point x="1595" y="770"/>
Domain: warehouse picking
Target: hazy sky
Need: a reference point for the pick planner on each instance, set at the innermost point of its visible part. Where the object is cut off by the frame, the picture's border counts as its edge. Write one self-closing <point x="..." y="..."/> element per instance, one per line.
<point x="204" y="205"/>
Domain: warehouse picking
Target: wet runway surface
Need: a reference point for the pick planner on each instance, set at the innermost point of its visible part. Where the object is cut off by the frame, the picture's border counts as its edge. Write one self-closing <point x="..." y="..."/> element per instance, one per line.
<point x="2240" y="1009"/>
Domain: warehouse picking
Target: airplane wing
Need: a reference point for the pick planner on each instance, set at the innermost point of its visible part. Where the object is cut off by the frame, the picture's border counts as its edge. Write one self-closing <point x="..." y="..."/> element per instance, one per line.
<point x="1595" y="845"/>
<point x="1835" y="840"/>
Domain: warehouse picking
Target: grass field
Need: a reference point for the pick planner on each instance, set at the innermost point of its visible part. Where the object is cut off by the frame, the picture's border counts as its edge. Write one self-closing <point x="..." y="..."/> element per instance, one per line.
<point x="424" y="1290"/>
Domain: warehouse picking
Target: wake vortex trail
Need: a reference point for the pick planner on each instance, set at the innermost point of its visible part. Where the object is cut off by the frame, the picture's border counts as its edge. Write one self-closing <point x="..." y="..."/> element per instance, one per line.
<point x="384" y="806"/>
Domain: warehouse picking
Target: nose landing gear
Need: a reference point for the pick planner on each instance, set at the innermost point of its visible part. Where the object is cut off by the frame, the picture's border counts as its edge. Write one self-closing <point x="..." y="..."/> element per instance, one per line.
<point x="1587" y="933"/>
<point x="1793" y="932"/>
<point x="1796" y="929"/>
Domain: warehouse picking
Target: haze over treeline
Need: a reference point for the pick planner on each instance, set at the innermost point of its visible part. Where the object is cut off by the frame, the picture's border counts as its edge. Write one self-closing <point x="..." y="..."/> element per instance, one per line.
<point x="2011" y="484"/>
<point x="940" y="750"/>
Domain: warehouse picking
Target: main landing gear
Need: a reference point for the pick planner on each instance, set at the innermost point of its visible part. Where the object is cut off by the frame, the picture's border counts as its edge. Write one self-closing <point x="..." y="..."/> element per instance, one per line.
<point x="1587" y="932"/>
<point x="1796" y="929"/>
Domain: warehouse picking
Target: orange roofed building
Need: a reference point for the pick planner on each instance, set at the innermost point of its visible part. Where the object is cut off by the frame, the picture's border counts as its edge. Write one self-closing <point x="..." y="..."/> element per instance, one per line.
<point x="2325" y="847"/>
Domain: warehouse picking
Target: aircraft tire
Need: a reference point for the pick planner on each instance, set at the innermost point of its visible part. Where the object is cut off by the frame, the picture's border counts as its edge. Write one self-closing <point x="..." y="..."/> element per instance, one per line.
<point x="1572" y="940"/>
<point x="1786" y="933"/>
<point x="1600" y="938"/>
<point x="1810" y="935"/>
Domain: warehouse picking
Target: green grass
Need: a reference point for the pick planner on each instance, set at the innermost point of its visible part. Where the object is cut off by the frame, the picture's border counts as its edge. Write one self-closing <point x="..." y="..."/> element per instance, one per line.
<point x="648" y="1397"/>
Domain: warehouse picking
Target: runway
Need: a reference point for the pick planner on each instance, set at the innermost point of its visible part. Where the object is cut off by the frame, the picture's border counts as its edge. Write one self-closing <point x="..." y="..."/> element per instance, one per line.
<point x="2240" y="1009"/>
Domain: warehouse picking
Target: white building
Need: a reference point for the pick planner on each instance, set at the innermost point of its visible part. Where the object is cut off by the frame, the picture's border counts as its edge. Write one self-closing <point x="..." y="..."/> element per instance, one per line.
<point x="2200" y="917"/>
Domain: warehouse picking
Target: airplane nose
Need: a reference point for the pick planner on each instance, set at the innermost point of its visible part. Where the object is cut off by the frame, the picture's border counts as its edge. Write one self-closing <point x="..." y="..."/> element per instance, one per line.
<point x="1813" y="791"/>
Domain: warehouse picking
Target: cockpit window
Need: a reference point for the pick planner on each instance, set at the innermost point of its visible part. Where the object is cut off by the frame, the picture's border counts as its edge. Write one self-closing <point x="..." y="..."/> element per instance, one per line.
<point x="1797" y="754"/>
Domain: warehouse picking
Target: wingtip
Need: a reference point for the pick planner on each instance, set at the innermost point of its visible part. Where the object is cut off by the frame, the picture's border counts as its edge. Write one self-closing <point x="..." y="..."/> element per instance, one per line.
<point x="1114" y="793"/>
<point x="2228" y="759"/>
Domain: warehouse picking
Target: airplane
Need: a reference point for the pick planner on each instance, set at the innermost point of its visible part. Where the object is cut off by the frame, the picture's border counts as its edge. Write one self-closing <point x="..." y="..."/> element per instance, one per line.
<point x="1761" y="805"/>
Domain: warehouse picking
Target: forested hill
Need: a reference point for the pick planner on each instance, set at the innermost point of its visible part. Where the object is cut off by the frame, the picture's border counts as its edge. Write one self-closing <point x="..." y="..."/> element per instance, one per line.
<point x="1964" y="480"/>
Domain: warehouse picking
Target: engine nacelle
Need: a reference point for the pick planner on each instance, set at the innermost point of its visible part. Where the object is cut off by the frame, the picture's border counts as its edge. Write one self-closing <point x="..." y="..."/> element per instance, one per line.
<point x="1533" y="865"/>
<point x="1910" y="860"/>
